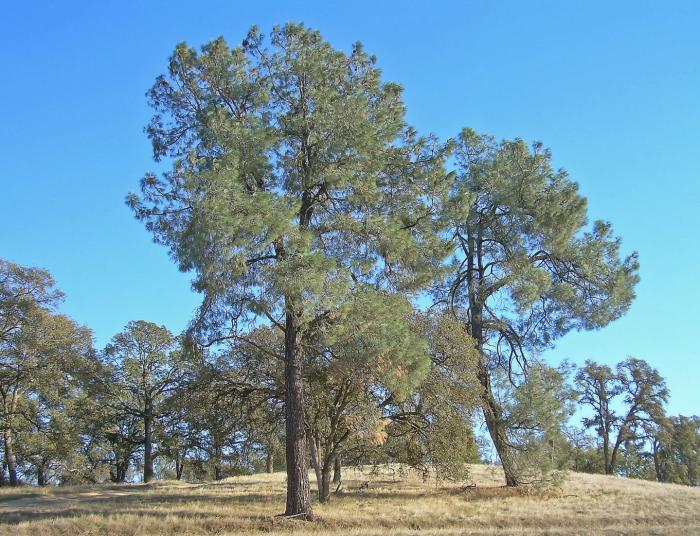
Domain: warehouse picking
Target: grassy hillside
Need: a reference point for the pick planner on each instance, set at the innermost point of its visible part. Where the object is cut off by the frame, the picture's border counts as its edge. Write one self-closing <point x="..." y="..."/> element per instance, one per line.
<point x="380" y="504"/>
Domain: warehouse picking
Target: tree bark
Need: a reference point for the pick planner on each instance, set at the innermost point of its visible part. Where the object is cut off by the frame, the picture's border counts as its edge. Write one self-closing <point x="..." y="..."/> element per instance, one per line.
<point x="322" y="468"/>
<point x="657" y="461"/>
<point x="218" y="454"/>
<point x="323" y="464"/>
<point x="324" y="484"/>
<point x="607" y="465"/>
<point x="498" y="432"/>
<point x="337" y="470"/>
<point x="298" y="500"/>
<point x="270" y="462"/>
<point x="148" y="446"/>
<point x="610" y="469"/>
<point x="493" y="414"/>
<point x="40" y="474"/>
<point x="10" y="460"/>
<point x="315" y="458"/>
<point x="118" y="473"/>
<point x="179" y="468"/>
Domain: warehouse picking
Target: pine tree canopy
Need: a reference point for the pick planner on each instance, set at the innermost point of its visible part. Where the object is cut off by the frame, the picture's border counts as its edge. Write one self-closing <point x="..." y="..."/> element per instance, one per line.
<point x="294" y="175"/>
<point x="525" y="263"/>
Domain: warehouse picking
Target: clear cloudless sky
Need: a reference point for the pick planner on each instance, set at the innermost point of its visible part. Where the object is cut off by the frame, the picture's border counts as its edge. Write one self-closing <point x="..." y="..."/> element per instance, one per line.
<point x="612" y="88"/>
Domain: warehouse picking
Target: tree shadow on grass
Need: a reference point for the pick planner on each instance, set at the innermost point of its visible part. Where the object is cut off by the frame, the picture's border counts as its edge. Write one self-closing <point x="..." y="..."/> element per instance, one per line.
<point x="486" y="493"/>
<point x="238" y="485"/>
<point x="9" y="497"/>
<point x="238" y="521"/>
<point x="139" y="503"/>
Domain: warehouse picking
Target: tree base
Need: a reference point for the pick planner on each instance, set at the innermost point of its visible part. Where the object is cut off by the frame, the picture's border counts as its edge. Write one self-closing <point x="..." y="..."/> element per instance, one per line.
<point x="304" y="516"/>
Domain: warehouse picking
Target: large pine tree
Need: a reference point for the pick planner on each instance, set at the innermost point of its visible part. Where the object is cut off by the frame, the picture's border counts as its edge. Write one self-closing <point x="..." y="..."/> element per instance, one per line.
<point x="526" y="268"/>
<point x="295" y="184"/>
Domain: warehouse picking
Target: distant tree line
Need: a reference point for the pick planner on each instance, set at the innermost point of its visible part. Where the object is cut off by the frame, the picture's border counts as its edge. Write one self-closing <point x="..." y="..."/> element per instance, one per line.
<point x="368" y="295"/>
<point x="155" y="405"/>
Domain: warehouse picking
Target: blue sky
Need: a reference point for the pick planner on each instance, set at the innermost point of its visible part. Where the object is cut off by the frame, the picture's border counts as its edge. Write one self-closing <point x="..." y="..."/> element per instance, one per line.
<point x="611" y="88"/>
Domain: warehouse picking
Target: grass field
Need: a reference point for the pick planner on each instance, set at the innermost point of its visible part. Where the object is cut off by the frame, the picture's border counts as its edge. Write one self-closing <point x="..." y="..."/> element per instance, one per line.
<point x="371" y="504"/>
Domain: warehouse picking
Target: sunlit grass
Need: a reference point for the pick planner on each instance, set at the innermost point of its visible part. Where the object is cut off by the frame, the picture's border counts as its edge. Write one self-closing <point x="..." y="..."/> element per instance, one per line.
<point x="384" y="503"/>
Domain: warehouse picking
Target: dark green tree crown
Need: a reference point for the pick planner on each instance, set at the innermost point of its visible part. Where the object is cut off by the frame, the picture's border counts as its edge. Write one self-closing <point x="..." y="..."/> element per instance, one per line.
<point x="524" y="260"/>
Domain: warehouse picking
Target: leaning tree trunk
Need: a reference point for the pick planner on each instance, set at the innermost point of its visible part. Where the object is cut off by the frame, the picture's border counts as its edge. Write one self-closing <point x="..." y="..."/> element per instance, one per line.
<point x="148" y="445"/>
<point x="298" y="500"/>
<point x="610" y="470"/>
<point x="493" y="415"/>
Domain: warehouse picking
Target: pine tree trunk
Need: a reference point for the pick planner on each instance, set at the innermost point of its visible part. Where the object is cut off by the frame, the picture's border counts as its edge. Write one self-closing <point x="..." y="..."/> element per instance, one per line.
<point x="298" y="500"/>
<point x="10" y="460"/>
<point x="337" y="470"/>
<point x="270" y="462"/>
<point x="497" y="431"/>
<point x="496" y="425"/>
<point x="493" y="414"/>
<point x="148" y="446"/>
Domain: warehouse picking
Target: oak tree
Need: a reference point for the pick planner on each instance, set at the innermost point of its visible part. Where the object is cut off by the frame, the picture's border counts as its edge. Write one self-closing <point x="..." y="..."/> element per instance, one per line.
<point x="41" y="352"/>
<point x="146" y="365"/>
<point x="624" y="403"/>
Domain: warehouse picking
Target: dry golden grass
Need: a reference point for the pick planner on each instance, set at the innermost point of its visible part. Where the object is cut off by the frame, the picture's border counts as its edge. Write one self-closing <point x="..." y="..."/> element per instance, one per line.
<point x="585" y="504"/>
